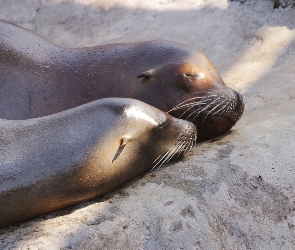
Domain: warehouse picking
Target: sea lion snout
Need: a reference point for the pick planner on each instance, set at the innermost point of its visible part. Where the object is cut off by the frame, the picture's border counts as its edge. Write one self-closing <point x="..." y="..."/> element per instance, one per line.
<point x="186" y="127"/>
<point x="238" y="108"/>
<point x="183" y="136"/>
<point x="188" y="130"/>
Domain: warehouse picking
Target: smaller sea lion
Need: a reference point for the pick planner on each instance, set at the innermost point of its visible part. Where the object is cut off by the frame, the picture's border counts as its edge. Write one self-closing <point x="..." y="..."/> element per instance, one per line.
<point x="55" y="161"/>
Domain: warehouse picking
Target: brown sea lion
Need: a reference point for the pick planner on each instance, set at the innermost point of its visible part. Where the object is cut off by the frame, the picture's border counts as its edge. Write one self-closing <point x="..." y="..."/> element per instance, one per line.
<point x="55" y="161"/>
<point x="39" y="78"/>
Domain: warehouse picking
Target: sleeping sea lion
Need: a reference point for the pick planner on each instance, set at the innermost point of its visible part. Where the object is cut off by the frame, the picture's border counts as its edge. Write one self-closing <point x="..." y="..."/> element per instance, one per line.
<point x="39" y="78"/>
<point x="58" y="160"/>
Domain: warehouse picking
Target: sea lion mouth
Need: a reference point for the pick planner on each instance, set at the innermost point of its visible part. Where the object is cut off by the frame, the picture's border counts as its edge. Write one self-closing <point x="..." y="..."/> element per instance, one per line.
<point x="230" y="121"/>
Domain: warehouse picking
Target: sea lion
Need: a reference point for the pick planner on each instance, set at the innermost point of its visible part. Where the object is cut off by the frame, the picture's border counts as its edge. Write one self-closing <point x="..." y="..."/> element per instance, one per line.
<point x="39" y="78"/>
<point x="58" y="160"/>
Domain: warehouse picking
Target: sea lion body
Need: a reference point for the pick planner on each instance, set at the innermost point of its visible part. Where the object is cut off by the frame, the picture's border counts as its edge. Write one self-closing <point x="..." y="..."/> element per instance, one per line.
<point x="55" y="161"/>
<point x="39" y="78"/>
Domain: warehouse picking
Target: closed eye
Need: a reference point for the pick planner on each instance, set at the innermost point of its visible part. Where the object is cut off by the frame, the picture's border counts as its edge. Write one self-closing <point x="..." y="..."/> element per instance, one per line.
<point x="163" y="124"/>
<point x="191" y="74"/>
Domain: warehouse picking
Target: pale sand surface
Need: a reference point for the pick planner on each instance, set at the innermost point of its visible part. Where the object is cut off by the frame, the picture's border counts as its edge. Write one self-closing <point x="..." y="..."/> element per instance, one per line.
<point x="233" y="193"/>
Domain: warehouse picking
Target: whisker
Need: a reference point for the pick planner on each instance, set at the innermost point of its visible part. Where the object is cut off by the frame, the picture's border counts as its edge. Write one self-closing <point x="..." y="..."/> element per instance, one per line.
<point x="187" y="146"/>
<point x="203" y="109"/>
<point x="192" y="141"/>
<point x="181" y="149"/>
<point x="226" y="112"/>
<point x="169" y="156"/>
<point x="212" y="110"/>
<point x="206" y="91"/>
<point x="193" y="105"/>
<point x="182" y="146"/>
<point x="178" y="150"/>
<point x="165" y="155"/>
<point x="197" y="111"/>
<point x="223" y="112"/>
<point x="184" y="104"/>
<point x="223" y="107"/>
<point x="180" y="105"/>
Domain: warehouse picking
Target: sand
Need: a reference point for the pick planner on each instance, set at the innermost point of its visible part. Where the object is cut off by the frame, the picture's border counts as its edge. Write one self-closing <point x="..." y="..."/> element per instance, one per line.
<point x="236" y="192"/>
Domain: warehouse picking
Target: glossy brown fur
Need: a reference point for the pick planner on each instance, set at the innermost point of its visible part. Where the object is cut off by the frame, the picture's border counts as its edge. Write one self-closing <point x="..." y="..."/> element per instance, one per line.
<point x="39" y="78"/>
<point x="55" y="161"/>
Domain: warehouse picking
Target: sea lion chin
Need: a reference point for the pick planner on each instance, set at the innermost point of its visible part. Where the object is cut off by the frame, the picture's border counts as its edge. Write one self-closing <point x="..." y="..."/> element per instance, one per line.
<point x="62" y="159"/>
<point x="39" y="78"/>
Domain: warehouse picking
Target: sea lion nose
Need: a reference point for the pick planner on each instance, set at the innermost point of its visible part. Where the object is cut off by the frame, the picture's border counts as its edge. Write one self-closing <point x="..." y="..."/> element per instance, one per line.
<point x="240" y="101"/>
<point x="240" y="97"/>
<point x="239" y="107"/>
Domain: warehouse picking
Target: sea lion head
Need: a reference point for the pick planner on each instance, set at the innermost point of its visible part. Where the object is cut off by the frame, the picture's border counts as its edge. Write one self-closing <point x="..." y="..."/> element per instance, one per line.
<point x="144" y="137"/>
<point x="193" y="90"/>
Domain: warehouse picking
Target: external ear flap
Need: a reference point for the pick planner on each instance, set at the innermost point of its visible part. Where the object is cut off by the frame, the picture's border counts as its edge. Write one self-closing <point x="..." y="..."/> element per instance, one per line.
<point x="146" y="74"/>
<point x="124" y="141"/>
